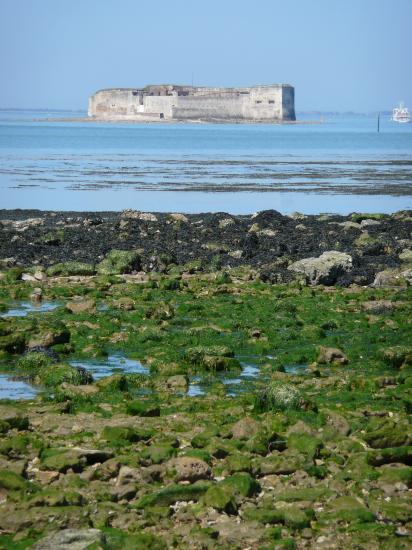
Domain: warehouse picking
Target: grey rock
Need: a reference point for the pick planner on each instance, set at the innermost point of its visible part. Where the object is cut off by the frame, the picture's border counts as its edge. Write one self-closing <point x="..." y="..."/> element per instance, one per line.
<point x="368" y="223"/>
<point x="325" y="269"/>
<point x="70" y="539"/>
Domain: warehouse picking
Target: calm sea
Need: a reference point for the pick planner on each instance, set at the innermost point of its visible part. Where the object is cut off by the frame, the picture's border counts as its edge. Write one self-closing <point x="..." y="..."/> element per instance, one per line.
<point x="340" y="165"/>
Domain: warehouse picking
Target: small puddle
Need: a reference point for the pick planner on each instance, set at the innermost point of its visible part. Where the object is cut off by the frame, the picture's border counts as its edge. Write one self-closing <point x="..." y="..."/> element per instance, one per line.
<point x="115" y="363"/>
<point x="15" y="389"/>
<point x="21" y="309"/>
<point x="296" y="369"/>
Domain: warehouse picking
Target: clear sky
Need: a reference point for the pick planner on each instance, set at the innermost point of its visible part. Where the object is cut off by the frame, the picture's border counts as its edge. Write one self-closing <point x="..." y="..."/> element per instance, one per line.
<point x="339" y="54"/>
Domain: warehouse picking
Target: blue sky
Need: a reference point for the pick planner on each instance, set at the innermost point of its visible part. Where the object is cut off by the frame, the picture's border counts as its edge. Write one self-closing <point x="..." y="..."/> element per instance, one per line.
<point x="339" y="54"/>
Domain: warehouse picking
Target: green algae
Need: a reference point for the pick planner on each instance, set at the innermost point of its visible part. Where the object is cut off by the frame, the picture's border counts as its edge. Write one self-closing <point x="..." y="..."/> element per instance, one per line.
<point x="337" y="431"/>
<point x="173" y="493"/>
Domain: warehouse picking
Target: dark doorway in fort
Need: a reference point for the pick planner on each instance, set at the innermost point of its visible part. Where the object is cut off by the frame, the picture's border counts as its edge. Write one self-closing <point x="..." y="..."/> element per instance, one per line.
<point x="162" y="115"/>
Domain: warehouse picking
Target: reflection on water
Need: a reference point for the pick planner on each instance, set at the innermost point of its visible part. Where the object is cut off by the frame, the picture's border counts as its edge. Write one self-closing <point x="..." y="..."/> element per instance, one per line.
<point x="115" y="363"/>
<point x="21" y="309"/>
<point x="15" y="389"/>
<point x="296" y="369"/>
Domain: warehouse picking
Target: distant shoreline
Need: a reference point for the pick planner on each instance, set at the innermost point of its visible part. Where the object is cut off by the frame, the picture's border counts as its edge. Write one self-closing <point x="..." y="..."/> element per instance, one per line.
<point x="116" y="120"/>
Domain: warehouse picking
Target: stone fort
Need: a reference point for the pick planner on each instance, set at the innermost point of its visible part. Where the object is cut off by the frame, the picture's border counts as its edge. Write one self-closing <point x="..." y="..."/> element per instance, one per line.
<point x="272" y="103"/>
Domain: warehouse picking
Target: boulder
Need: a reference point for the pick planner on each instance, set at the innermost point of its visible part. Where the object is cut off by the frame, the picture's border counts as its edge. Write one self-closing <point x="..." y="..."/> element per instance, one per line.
<point x="177" y="217"/>
<point x="84" y="306"/>
<point x="71" y="539"/>
<point x="377" y="306"/>
<point x="188" y="468"/>
<point x="326" y="269"/>
<point x="137" y="215"/>
<point x="331" y="355"/>
<point x="221" y="498"/>
<point x="118" y="262"/>
<point x="49" y="337"/>
<point x="393" y="277"/>
<point x="245" y="428"/>
<point x="283" y="463"/>
<point x="178" y="382"/>
<point x="406" y="255"/>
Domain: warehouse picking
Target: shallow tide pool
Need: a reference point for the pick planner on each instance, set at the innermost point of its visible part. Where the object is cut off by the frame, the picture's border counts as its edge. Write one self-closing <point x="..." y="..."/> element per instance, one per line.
<point x="115" y="363"/>
<point x="21" y="309"/>
<point x="15" y="389"/>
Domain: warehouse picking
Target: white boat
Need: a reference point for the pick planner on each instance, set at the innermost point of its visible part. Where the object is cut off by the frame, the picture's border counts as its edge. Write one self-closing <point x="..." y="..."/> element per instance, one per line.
<point x="401" y="114"/>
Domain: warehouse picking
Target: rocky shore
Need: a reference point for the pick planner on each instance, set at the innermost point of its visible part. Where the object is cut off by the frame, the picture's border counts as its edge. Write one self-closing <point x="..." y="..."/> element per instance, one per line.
<point x="268" y="242"/>
<point x="270" y="404"/>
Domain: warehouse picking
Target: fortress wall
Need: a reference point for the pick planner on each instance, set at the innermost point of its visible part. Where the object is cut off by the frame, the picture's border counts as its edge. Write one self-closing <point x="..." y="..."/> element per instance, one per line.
<point x="209" y="106"/>
<point x="113" y="102"/>
<point x="159" y="104"/>
<point x="258" y="103"/>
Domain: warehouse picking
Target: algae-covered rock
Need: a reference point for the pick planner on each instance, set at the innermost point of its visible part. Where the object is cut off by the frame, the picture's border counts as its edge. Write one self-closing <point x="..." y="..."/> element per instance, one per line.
<point x="13" y="418"/>
<point x="118" y="262"/>
<point x="12" y="481"/>
<point x="73" y="539"/>
<point x="67" y="269"/>
<point x="326" y="269"/>
<point x="378" y="457"/>
<point x="221" y="497"/>
<point x="245" y="428"/>
<point x="62" y="459"/>
<point x="173" y="493"/>
<point x="348" y="509"/>
<point x="393" y="473"/>
<point x="195" y="355"/>
<point x="377" y="307"/>
<point x="185" y="468"/>
<point x="213" y="358"/>
<point x="389" y="435"/>
<point x="82" y="306"/>
<point x="60" y="373"/>
<point x="305" y="444"/>
<point x="243" y="484"/>
<point x="157" y="454"/>
<point x="177" y="383"/>
<point x="12" y="343"/>
<point x="115" y="382"/>
<point x="309" y="494"/>
<point x="143" y="408"/>
<point x="281" y="463"/>
<point x="278" y="396"/>
<point x="397" y="356"/>
<point x="290" y="516"/>
<point x="238" y="463"/>
<point x="331" y="356"/>
<point x="33" y="361"/>
<point x="202" y="439"/>
<point x="126" y="434"/>
<point x="49" y="336"/>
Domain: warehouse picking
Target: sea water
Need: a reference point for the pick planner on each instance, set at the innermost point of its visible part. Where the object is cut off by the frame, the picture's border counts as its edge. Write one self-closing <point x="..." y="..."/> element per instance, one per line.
<point x="338" y="164"/>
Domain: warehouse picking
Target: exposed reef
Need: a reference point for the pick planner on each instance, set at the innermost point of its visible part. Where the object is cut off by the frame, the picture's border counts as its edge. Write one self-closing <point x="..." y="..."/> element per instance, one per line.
<point x="268" y="242"/>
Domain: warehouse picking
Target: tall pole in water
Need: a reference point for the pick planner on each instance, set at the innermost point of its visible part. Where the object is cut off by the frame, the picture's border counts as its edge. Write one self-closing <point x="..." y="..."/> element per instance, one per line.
<point x="379" y="118"/>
